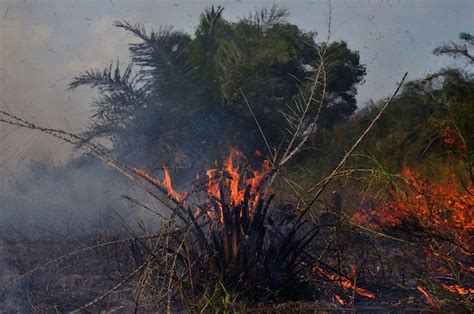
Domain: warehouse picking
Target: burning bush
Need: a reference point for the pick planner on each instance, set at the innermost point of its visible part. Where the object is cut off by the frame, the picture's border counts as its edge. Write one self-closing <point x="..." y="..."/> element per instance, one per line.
<point x="231" y="240"/>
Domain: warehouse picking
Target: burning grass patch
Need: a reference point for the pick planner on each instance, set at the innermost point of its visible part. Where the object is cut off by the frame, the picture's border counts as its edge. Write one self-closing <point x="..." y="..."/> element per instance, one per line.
<point x="435" y="220"/>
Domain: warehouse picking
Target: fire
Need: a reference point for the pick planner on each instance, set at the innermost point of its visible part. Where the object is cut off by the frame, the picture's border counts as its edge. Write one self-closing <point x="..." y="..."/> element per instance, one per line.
<point x="344" y="283"/>
<point x="339" y="299"/>
<point x="451" y="139"/>
<point x="169" y="187"/>
<point x="458" y="289"/>
<point x="231" y="176"/>
<point x="427" y="296"/>
<point x="234" y="181"/>
<point x="444" y="208"/>
<point x="166" y="184"/>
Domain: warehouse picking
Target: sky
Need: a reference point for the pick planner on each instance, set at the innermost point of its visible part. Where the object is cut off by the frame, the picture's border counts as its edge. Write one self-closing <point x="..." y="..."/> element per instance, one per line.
<point x="44" y="44"/>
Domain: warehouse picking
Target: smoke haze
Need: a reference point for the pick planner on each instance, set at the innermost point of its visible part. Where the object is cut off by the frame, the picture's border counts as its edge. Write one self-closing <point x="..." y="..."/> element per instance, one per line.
<point x="43" y="45"/>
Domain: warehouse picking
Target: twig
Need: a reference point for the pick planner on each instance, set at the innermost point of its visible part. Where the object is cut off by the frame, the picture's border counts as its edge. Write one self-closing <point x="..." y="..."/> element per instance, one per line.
<point x="336" y="170"/>
<point x="101" y="297"/>
<point x="258" y="124"/>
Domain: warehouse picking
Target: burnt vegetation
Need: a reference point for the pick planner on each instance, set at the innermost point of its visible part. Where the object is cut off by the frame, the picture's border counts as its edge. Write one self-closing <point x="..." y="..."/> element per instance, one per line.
<point x="270" y="191"/>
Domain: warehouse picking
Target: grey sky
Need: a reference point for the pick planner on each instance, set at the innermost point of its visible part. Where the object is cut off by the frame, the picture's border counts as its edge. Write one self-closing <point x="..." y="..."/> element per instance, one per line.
<point x="43" y="44"/>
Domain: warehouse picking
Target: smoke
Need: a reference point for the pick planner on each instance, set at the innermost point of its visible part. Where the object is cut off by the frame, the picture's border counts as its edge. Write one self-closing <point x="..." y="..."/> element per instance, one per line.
<point x="37" y="62"/>
<point x="10" y="300"/>
<point x="75" y="200"/>
<point x="39" y="56"/>
<point x="84" y="194"/>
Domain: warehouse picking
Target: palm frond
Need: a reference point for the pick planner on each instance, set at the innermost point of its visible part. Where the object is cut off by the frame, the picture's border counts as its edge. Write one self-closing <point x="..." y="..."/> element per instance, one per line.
<point x="120" y="97"/>
<point x="162" y="54"/>
<point x="266" y="18"/>
<point x="109" y="79"/>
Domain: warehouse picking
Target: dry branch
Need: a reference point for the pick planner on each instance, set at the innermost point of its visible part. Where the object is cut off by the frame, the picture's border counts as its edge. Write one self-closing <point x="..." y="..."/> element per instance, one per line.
<point x="323" y="184"/>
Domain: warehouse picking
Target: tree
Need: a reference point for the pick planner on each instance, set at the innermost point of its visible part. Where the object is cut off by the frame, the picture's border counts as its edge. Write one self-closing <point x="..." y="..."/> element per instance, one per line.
<point x="269" y="61"/>
<point x="182" y="99"/>
<point x="458" y="50"/>
<point x="429" y="125"/>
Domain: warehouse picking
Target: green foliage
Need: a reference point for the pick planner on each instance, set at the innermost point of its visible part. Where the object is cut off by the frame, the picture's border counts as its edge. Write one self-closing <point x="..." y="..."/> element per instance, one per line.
<point x="416" y="127"/>
<point x="269" y="60"/>
<point x="182" y="97"/>
<point x="217" y="301"/>
<point x="429" y="127"/>
<point x="343" y="71"/>
<point x="458" y="50"/>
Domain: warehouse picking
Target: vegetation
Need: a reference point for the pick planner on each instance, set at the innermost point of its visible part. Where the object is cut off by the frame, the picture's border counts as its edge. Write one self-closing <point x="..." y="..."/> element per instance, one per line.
<point x="242" y="235"/>
<point x="189" y="97"/>
<point x="429" y="126"/>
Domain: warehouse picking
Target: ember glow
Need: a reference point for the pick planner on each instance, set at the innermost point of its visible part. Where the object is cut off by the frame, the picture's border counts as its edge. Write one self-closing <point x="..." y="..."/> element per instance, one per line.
<point x="344" y="283"/>
<point x="458" y="289"/>
<point x="146" y="176"/>
<point x="451" y="139"/>
<point x="339" y="299"/>
<point x="427" y="296"/>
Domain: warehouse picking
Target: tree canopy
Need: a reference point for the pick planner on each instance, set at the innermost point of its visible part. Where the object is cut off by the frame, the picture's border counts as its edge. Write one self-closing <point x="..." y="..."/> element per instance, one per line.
<point x="428" y="126"/>
<point x="182" y="97"/>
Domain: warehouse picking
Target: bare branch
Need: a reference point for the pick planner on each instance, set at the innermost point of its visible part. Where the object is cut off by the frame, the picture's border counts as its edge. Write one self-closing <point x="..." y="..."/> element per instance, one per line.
<point x="336" y="170"/>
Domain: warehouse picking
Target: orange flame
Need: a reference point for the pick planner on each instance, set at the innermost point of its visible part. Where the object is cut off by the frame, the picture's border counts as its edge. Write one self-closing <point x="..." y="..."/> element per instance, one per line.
<point x="339" y="299"/>
<point x="169" y="187"/>
<point x="233" y="181"/>
<point x="236" y="194"/>
<point x="427" y="296"/>
<point x="458" y="289"/>
<point x="230" y="176"/>
<point x="166" y="184"/>
<point x="445" y="208"/>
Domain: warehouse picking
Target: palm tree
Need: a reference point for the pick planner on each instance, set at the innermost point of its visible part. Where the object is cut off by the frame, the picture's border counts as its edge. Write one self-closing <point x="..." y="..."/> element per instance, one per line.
<point x="149" y="110"/>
